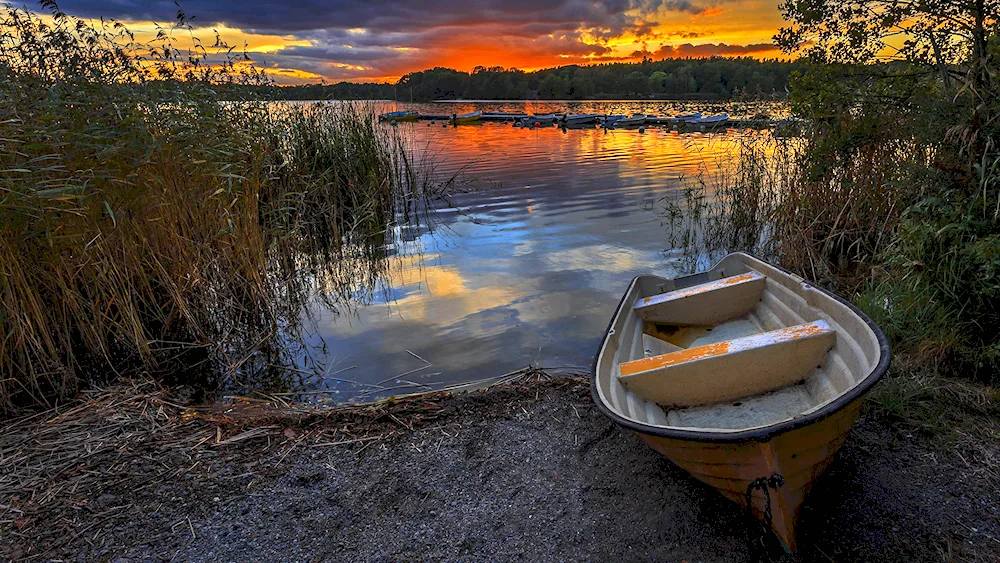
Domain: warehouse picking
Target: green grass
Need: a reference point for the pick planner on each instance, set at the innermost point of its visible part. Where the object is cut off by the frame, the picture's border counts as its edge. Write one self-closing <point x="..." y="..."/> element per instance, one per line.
<point x="912" y="398"/>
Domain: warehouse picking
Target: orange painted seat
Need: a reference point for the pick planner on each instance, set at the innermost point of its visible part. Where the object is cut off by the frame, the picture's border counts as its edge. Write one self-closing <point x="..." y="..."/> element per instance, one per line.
<point x="705" y="304"/>
<point x="732" y="369"/>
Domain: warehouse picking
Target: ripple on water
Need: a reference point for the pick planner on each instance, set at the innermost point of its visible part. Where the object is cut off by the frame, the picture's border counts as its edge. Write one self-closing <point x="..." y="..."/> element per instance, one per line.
<point x="527" y="268"/>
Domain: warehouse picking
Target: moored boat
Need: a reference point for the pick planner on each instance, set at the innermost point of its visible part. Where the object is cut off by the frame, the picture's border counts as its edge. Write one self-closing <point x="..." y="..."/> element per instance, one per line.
<point x="400" y="116"/>
<point x="634" y="121"/>
<point x="710" y="120"/>
<point x="746" y="376"/>
<point x="467" y="118"/>
<point x="503" y="116"/>
<point x="656" y="120"/>
<point x="580" y="118"/>
<point x="687" y="117"/>
<point x="543" y="119"/>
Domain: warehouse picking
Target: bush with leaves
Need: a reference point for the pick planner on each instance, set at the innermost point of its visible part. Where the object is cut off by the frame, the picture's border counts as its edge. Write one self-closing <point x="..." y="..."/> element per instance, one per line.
<point x="914" y="83"/>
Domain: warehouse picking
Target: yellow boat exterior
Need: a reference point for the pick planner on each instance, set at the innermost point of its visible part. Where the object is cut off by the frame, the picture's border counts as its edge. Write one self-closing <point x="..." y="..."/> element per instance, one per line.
<point x="773" y="464"/>
<point x="467" y="119"/>
<point x="799" y="456"/>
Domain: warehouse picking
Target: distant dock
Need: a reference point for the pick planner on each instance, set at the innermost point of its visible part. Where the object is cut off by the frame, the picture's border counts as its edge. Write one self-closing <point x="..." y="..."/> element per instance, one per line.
<point x="755" y="123"/>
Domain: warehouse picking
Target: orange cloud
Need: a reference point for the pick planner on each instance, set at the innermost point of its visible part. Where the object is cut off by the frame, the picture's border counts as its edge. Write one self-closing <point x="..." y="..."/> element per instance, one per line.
<point x="711" y="12"/>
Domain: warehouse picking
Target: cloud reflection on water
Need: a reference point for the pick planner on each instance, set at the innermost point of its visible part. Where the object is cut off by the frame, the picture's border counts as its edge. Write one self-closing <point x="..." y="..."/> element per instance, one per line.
<point x="528" y="270"/>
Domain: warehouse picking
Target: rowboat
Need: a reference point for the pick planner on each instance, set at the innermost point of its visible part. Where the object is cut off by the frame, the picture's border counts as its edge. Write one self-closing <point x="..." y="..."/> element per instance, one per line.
<point x="746" y="376"/>
<point x="710" y="120"/>
<point x="467" y="118"/>
<point x="543" y="119"/>
<point x="503" y="116"/>
<point x="580" y="118"/>
<point x="634" y="121"/>
<point x="400" y="116"/>
<point x="688" y="117"/>
<point x="722" y="117"/>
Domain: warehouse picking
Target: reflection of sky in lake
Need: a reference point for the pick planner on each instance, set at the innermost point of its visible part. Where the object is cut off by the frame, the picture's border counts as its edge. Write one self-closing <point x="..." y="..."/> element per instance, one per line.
<point x="527" y="268"/>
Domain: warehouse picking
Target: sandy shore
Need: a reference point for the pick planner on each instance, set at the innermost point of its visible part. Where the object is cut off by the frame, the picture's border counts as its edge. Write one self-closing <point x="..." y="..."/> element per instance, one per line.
<point x="528" y="471"/>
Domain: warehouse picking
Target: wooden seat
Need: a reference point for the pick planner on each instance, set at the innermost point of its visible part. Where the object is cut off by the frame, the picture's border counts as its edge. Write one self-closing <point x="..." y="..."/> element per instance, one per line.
<point x="653" y="346"/>
<point x="705" y="304"/>
<point x="731" y="369"/>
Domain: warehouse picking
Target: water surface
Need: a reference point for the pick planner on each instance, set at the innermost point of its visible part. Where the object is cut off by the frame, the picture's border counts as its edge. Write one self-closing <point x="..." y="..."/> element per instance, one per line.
<point x="525" y="263"/>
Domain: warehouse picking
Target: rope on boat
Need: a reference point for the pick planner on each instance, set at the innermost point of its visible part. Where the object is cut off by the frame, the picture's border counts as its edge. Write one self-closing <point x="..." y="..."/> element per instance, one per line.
<point x="765" y="484"/>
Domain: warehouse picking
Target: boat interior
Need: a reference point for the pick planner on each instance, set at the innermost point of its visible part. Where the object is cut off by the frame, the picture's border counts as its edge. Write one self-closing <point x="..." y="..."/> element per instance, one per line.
<point x="739" y="347"/>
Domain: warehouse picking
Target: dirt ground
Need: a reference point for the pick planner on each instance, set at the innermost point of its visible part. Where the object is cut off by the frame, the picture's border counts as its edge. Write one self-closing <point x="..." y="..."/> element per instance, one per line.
<point x="529" y="471"/>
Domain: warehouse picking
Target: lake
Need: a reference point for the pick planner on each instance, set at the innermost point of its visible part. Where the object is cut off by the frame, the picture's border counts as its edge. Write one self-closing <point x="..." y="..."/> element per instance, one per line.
<point x="525" y="262"/>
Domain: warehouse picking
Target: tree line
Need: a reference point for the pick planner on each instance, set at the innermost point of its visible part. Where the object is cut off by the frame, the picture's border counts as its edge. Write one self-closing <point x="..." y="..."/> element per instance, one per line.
<point x="714" y="78"/>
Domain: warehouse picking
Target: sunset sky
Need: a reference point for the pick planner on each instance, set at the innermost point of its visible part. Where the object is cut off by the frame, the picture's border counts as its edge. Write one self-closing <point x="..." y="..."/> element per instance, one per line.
<point x="380" y="40"/>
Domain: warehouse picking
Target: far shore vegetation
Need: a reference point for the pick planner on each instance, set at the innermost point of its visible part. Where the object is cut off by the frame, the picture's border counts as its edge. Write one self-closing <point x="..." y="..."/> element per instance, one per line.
<point x="146" y="226"/>
<point x="715" y="78"/>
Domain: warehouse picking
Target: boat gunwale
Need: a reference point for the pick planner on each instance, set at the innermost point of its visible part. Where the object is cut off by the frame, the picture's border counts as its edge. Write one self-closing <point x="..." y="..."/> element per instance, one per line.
<point x="759" y="434"/>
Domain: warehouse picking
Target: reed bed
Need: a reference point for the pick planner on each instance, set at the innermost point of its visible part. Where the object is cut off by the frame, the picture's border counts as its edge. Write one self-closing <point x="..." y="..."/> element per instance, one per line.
<point x="148" y="226"/>
<point x="831" y="224"/>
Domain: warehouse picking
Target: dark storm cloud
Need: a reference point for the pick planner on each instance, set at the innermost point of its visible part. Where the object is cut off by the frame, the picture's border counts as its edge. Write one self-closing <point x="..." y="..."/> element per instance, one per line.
<point x="293" y="17"/>
<point x="683" y="6"/>
<point x="336" y="53"/>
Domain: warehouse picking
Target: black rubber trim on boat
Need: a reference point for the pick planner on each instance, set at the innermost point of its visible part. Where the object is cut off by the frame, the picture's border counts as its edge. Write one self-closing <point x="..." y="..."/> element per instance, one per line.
<point x="758" y="434"/>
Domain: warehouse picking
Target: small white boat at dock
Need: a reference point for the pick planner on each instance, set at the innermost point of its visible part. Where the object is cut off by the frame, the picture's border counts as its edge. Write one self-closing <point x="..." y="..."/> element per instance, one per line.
<point x="543" y="119"/>
<point x="710" y="120"/>
<point x="467" y="118"/>
<point x="634" y="121"/>
<point x="581" y="118"/>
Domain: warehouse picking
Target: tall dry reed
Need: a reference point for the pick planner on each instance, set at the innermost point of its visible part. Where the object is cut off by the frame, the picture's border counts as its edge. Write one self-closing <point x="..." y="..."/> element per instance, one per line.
<point x="146" y="225"/>
<point x="829" y="222"/>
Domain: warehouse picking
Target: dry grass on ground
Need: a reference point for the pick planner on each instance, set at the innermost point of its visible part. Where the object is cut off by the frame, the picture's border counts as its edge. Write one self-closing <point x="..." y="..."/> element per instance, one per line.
<point x="60" y="461"/>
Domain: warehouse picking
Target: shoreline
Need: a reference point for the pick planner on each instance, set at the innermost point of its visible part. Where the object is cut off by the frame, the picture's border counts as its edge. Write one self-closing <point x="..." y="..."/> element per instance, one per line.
<point x="528" y="469"/>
